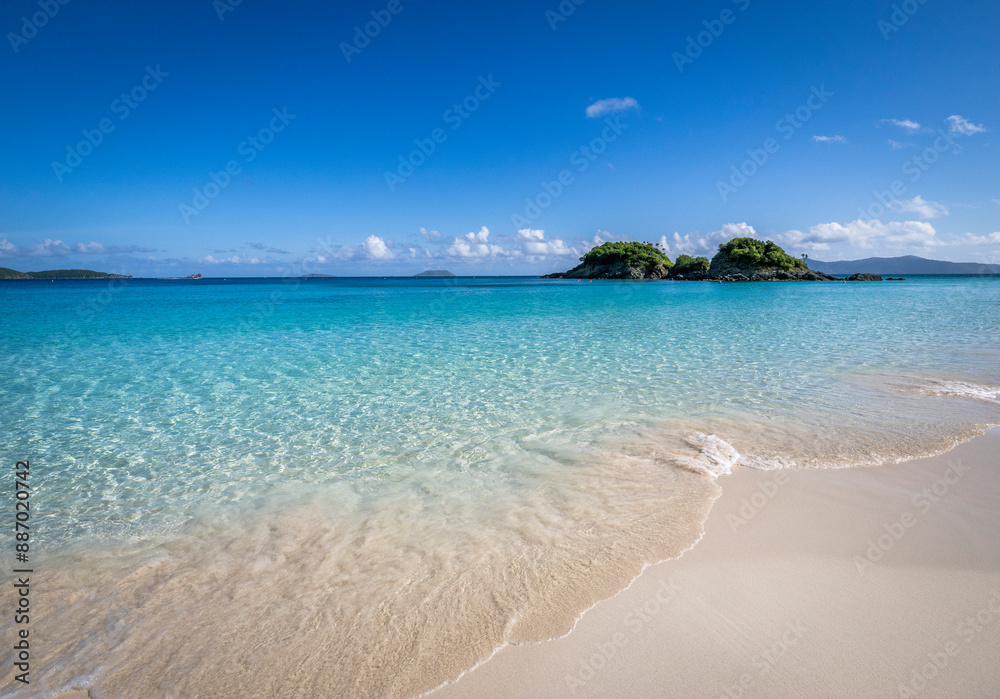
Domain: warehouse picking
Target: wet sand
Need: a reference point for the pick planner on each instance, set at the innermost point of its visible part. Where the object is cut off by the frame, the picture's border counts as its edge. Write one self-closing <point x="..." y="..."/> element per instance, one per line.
<point x="880" y="581"/>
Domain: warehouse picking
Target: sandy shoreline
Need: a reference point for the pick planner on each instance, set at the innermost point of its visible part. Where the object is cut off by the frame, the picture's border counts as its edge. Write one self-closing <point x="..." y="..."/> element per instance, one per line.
<point x="881" y="581"/>
<point x="868" y="582"/>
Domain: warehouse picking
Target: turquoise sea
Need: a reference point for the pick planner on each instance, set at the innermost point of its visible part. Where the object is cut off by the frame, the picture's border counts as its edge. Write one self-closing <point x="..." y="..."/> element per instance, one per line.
<point x="363" y="487"/>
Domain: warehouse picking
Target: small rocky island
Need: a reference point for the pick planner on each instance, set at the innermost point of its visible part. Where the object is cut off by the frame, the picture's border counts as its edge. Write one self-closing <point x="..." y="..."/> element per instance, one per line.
<point x="435" y="273"/>
<point x="739" y="260"/>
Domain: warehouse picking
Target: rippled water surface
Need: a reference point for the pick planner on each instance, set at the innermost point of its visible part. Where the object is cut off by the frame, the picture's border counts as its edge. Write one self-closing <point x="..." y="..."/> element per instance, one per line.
<point x="364" y="487"/>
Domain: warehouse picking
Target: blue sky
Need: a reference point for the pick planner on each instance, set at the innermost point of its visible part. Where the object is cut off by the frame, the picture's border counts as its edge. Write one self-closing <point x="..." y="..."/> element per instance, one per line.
<point x="390" y="137"/>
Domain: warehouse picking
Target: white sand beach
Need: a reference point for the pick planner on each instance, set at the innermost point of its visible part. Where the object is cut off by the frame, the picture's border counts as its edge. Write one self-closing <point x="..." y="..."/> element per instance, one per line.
<point x="866" y="582"/>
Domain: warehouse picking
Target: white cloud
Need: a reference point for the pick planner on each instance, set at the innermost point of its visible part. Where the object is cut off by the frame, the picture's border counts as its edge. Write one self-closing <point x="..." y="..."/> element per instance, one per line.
<point x="47" y="248"/>
<point x="234" y="260"/>
<point x="829" y="139"/>
<point x="705" y="244"/>
<point x="972" y="239"/>
<point x="90" y="248"/>
<point x="532" y="242"/>
<point x="862" y="234"/>
<point x="373" y="248"/>
<point x="376" y="249"/>
<point x="921" y="207"/>
<point x="906" y="124"/>
<point x="7" y="248"/>
<point x="961" y="125"/>
<point x="599" y="239"/>
<point x="896" y="145"/>
<point x="430" y="235"/>
<point x="475" y="245"/>
<point x="610" y="106"/>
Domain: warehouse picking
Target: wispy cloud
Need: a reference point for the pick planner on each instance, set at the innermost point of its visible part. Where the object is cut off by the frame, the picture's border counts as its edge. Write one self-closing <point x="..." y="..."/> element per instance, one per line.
<point x="56" y="248"/>
<point x="906" y="124"/>
<point x="243" y="259"/>
<point x="829" y="139"/>
<point x="973" y="239"/>
<point x="610" y="106"/>
<point x="961" y="125"/>
<point x="921" y="207"/>
<point x="268" y="249"/>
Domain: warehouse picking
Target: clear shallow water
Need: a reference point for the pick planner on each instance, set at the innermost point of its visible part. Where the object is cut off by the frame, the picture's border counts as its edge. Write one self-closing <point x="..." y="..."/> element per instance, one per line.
<point x="363" y="487"/>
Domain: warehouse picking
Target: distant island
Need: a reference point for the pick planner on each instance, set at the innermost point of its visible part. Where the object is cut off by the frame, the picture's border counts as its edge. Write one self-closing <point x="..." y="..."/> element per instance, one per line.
<point x="741" y="259"/>
<point x="435" y="273"/>
<point x="6" y="273"/>
<point x="317" y="276"/>
<point x="908" y="264"/>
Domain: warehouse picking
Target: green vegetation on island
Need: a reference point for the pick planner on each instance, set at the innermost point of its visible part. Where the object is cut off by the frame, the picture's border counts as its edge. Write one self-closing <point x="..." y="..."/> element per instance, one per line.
<point x="6" y="273"/>
<point x="759" y="254"/>
<point x="620" y="261"/>
<point x="688" y="266"/>
<point x="638" y="255"/>
<point x="739" y="260"/>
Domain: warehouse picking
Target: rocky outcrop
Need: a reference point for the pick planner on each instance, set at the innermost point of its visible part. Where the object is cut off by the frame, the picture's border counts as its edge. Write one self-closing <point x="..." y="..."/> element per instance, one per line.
<point x="864" y="278"/>
<point x="724" y="269"/>
<point x="618" y="270"/>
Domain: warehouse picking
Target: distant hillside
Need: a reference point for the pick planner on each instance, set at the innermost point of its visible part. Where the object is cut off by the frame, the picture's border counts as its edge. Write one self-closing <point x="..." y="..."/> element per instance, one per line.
<point x="435" y="273"/>
<point x="908" y="264"/>
<point x="6" y="273"/>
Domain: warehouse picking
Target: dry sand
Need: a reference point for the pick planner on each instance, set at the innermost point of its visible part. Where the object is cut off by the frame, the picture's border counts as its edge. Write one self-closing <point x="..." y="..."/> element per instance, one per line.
<point x="868" y="582"/>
